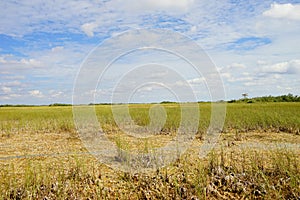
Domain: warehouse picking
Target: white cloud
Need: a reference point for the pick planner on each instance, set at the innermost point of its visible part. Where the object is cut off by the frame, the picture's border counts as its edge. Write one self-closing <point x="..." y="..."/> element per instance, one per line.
<point x="196" y="80"/>
<point x="4" y="98"/>
<point x="241" y="79"/>
<point x="11" y="61"/>
<point x="153" y="5"/>
<point x="283" y="11"/>
<point x="30" y="62"/>
<point x="13" y="77"/>
<point x="36" y="93"/>
<point x="145" y="89"/>
<point x="237" y="65"/>
<point x="284" y="88"/>
<point x="55" y="94"/>
<point x="12" y="84"/>
<point x="57" y="49"/>
<point x="231" y="68"/>
<point x="181" y="83"/>
<point x="20" y="18"/>
<point x="88" y="28"/>
<point x="183" y="4"/>
<point x="193" y="29"/>
<point x="252" y="83"/>
<point x="6" y="90"/>
<point x="225" y="75"/>
<point x="288" y="67"/>
<point x="14" y="95"/>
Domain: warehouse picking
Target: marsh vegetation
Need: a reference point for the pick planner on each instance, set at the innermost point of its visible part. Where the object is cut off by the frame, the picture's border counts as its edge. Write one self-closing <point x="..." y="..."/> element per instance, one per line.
<point x="257" y="156"/>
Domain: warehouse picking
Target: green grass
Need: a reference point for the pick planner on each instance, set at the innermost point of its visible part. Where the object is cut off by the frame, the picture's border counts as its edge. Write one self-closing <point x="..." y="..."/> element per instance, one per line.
<point x="35" y="119"/>
<point x="242" y="117"/>
<point x="227" y="172"/>
<point x="264" y="116"/>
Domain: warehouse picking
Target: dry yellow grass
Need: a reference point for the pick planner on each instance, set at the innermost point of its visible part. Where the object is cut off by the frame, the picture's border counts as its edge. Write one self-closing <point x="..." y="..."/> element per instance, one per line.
<point x="52" y="163"/>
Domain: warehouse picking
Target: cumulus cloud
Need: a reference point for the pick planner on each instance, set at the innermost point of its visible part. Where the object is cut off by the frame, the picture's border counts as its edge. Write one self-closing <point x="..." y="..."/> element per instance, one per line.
<point x="9" y="61"/>
<point x="283" y="11"/>
<point x="228" y="72"/>
<point x="88" y="28"/>
<point x="288" y="67"/>
<point x="36" y="93"/>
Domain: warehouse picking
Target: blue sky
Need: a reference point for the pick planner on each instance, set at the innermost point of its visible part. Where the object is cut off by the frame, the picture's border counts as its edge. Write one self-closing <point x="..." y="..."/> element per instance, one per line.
<point x="43" y="44"/>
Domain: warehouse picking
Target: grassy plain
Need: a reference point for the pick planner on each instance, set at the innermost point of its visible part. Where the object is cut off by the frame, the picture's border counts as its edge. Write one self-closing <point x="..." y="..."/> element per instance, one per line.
<point x="42" y="157"/>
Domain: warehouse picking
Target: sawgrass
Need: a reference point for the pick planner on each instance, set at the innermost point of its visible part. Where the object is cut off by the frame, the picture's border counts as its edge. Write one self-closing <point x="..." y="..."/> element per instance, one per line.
<point x="273" y="117"/>
<point x="42" y="156"/>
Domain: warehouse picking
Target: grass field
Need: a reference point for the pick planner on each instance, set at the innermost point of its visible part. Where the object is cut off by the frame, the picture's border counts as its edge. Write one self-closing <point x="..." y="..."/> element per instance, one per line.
<point x="257" y="156"/>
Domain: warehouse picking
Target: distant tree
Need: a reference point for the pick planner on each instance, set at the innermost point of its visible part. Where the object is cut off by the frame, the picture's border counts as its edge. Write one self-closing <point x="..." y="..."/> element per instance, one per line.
<point x="168" y="102"/>
<point x="245" y="95"/>
<point x="60" y="104"/>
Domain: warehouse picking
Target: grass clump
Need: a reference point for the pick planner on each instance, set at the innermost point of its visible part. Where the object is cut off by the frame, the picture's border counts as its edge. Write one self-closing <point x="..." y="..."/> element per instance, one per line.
<point x="271" y="175"/>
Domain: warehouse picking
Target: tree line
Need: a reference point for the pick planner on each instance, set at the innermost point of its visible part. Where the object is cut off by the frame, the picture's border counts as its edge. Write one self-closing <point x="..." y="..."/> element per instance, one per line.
<point x="282" y="98"/>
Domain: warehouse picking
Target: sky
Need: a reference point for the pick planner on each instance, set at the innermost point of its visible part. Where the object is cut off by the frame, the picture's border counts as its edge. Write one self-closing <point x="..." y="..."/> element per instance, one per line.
<point x="254" y="46"/>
